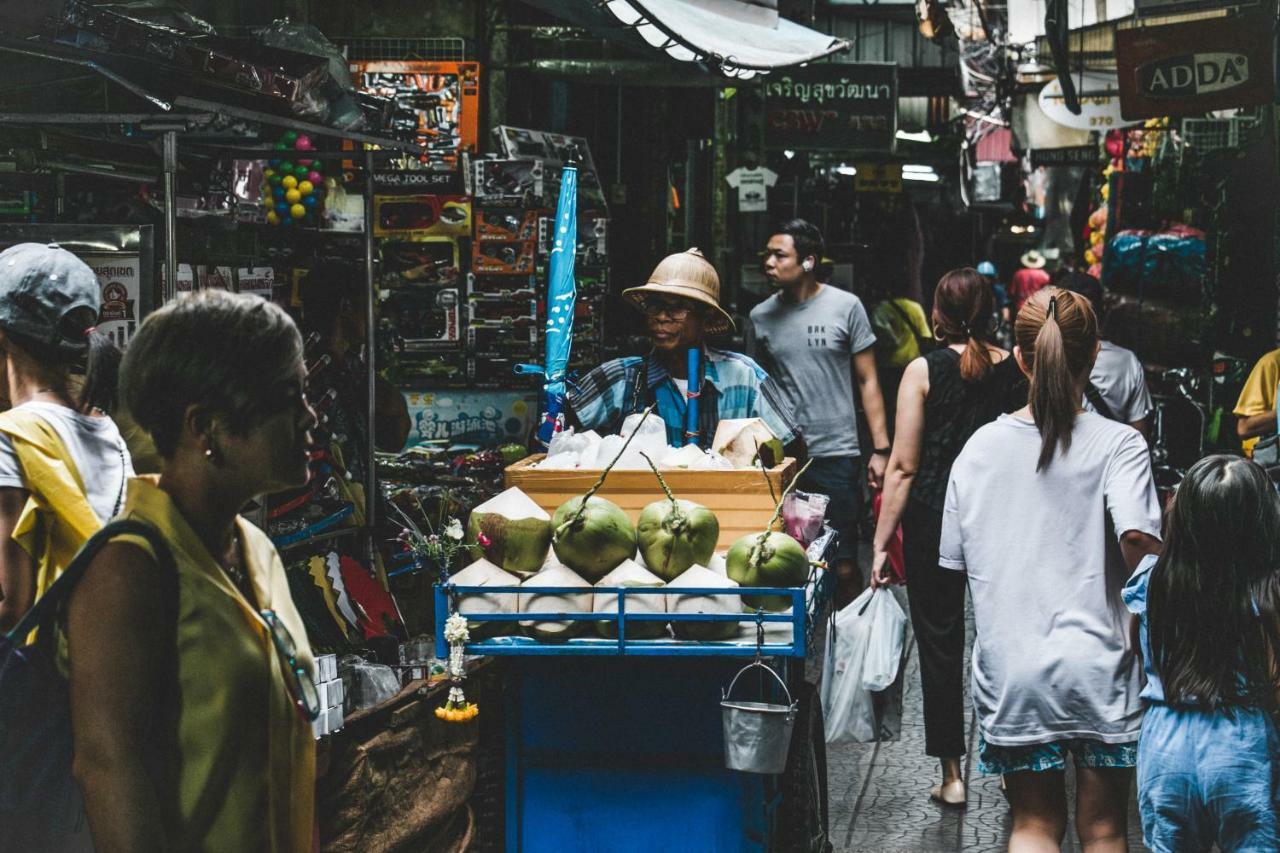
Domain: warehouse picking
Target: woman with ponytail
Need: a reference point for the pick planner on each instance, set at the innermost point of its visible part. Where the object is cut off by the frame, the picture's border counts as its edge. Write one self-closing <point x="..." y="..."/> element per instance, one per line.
<point x="944" y="397"/>
<point x="1048" y="511"/>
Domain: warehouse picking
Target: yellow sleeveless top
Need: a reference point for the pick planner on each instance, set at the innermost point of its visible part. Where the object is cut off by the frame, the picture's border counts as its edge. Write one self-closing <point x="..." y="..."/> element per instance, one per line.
<point x="57" y="518"/>
<point x="246" y="754"/>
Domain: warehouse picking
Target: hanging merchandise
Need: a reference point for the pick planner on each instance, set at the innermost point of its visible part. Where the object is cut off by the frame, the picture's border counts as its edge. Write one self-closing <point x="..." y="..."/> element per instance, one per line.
<point x="438" y="102"/>
<point x="293" y="185"/>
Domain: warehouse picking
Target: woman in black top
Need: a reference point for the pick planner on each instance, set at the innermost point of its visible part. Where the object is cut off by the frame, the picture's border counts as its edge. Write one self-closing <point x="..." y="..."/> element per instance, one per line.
<point x="943" y="399"/>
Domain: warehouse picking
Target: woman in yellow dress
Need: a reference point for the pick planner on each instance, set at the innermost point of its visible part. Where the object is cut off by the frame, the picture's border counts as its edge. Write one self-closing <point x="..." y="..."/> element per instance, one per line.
<point x="191" y="677"/>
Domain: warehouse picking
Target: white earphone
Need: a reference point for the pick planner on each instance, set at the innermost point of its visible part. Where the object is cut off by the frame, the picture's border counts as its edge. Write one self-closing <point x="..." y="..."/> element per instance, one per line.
<point x="807" y="266"/>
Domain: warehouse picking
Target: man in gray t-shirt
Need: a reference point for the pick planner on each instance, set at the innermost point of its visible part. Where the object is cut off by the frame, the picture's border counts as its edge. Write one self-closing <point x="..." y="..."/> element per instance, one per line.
<point x="819" y="342"/>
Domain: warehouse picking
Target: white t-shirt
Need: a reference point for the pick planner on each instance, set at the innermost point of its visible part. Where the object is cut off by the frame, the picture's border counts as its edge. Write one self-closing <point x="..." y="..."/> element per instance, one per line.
<point x="753" y="187"/>
<point x="100" y="455"/>
<point x="1051" y="657"/>
<point x="1118" y="376"/>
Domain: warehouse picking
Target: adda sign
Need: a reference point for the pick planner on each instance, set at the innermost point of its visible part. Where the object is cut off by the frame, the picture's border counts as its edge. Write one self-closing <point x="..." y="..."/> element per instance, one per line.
<point x="1193" y="74"/>
<point x="1190" y="69"/>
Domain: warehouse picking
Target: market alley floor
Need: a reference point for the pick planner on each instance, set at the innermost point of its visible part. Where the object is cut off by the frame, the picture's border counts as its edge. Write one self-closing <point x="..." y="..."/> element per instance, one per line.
<point x="879" y="793"/>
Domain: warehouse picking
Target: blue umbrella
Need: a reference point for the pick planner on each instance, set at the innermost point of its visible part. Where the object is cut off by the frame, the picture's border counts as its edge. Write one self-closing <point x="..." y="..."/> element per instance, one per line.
<point x="561" y="295"/>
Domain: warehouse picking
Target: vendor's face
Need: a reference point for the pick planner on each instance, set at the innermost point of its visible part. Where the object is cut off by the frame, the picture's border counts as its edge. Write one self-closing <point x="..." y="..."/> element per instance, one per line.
<point x="781" y="265"/>
<point x="675" y="323"/>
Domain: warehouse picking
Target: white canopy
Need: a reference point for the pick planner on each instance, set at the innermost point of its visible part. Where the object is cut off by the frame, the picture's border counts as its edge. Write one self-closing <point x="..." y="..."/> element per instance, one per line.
<point x="742" y="37"/>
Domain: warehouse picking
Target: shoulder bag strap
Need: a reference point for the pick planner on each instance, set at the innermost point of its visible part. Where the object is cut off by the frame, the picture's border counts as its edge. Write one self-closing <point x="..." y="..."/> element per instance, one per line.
<point x="46" y="607"/>
<point x="922" y="344"/>
<point x="1094" y="396"/>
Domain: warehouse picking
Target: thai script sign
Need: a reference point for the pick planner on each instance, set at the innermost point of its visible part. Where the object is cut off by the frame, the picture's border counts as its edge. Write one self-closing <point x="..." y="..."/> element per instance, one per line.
<point x="842" y="106"/>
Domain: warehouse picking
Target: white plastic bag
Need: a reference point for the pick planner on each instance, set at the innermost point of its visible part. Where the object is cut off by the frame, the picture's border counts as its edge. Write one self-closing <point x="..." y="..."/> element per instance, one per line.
<point x="861" y="679"/>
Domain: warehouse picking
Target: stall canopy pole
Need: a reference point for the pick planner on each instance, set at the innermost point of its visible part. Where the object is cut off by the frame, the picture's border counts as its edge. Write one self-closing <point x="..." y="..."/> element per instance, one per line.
<point x="561" y="299"/>
<point x="371" y="343"/>
<point x="170" y="215"/>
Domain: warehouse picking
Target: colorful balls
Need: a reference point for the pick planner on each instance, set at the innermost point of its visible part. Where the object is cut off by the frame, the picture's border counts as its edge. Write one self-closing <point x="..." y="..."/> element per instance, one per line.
<point x="305" y="161"/>
<point x="318" y="165"/>
<point x="314" y="177"/>
<point x="303" y="143"/>
<point x="273" y="218"/>
<point x="273" y="162"/>
<point x="286" y="168"/>
<point x="293" y="196"/>
<point x="267" y="173"/>
<point x="306" y="187"/>
<point x="289" y="137"/>
<point x="279" y="193"/>
<point x="310" y="201"/>
<point x="289" y="182"/>
<point x="298" y="211"/>
<point x="275" y="180"/>
<point x="280" y="146"/>
<point x="282" y="208"/>
<point x="288" y="220"/>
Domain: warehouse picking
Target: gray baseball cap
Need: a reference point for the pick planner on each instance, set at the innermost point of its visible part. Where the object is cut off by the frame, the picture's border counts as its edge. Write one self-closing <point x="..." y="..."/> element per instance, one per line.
<point x="44" y="291"/>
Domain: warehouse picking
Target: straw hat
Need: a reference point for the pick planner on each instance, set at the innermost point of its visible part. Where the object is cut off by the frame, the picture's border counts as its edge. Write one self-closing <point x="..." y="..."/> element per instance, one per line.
<point x="1033" y="260"/>
<point x="690" y="275"/>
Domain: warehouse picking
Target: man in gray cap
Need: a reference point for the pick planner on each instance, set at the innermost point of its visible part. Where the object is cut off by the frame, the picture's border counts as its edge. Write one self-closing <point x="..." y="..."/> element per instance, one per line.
<point x="63" y="465"/>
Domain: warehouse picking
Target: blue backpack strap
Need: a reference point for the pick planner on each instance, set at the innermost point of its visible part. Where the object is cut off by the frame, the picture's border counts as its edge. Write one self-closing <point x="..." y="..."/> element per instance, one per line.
<point x="47" y="606"/>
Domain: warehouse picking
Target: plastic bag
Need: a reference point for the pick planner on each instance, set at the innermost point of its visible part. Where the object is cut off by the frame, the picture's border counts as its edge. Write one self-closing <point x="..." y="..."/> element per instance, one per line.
<point x="897" y="562"/>
<point x="862" y="672"/>
<point x="803" y="514"/>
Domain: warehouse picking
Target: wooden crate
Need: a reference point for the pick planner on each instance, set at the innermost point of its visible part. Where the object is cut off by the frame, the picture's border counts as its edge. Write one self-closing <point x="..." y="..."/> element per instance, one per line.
<point x="740" y="499"/>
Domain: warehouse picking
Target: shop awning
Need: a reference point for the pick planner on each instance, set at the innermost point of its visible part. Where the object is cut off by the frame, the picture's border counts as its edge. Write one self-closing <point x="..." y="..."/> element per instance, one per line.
<point x="741" y="37"/>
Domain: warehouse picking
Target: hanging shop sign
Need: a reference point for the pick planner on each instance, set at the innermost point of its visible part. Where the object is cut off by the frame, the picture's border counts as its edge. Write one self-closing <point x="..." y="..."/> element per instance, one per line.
<point x="1075" y="155"/>
<point x="841" y="106"/>
<point x="1099" y="95"/>
<point x="878" y="178"/>
<point x="1192" y="68"/>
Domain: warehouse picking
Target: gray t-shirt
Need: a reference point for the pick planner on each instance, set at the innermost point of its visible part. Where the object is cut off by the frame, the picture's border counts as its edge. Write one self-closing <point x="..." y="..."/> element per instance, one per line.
<point x="1051" y="656"/>
<point x="810" y="345"/>
<point x="1118" y="376"/>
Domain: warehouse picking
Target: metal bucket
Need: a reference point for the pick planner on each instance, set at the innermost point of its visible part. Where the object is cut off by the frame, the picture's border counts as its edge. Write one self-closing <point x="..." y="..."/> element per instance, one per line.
<point x="757" y="735"/>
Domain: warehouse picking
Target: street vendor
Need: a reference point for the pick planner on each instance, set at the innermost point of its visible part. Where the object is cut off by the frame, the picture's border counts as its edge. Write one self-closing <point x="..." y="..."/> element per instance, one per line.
<point x="681" y="306"/>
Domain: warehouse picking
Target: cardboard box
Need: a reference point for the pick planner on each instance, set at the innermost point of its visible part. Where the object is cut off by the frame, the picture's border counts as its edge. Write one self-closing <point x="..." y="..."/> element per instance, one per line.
<point x="504" y="258"/>
<point x="412" y="216"/>
<point x="741" y="500"/>
<point x="497" y="180"/>
<point x="501" y="312"/>
<point x="431" y="370"/>
<point x="505" y="286"/>
<point x="424" y="320"/>
<point x="506" y="225"/>
<point x="593" y="238"/>
<point x="498" y="342"/>
<point x="423" y="261"/>
<point x="483" y="416"/>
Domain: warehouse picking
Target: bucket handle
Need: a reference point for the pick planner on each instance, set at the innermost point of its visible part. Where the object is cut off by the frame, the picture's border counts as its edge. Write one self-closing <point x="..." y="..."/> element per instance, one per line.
<point x="728" y="693"/>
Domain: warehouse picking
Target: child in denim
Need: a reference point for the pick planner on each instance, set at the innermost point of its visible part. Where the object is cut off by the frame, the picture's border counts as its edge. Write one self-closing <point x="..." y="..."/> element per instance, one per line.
<point x="1209" y="750"/>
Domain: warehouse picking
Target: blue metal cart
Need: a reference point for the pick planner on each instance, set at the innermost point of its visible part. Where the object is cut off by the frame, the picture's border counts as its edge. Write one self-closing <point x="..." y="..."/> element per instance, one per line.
<point x="616" y="745"/>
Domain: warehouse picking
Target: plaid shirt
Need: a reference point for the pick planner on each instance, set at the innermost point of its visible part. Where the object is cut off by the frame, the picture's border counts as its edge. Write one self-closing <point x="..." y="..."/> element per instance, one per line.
<point x="733" y="386"/>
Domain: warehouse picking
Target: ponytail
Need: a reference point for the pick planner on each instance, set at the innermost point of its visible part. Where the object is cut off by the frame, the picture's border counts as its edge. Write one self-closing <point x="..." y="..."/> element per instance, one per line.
<point x="962" y="310"/>
<point x="1057" y="333"/>
<point x="101" y="389"/>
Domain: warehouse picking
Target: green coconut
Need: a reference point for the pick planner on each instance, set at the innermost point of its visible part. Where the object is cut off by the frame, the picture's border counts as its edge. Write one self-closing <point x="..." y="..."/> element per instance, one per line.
<point x="768" y="559"/>
<point x="593" y="536"/>
<point x="675" y="534"/>
<point x="517" y="532"/>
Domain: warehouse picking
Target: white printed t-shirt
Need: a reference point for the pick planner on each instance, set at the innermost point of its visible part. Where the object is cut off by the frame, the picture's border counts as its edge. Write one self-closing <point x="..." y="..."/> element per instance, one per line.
<point x="753" y="188"/>
<point x="1051" y="656"/>
<point x="100" y="455"/>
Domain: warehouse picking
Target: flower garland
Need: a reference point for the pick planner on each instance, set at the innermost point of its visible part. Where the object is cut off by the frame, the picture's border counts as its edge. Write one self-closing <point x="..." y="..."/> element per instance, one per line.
<point x="457" y="709"/>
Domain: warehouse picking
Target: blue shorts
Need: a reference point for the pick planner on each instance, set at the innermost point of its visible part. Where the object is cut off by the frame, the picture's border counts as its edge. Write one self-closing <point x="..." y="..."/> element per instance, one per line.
<point x="1205" y="778"/>
<point x="999" y="760"/>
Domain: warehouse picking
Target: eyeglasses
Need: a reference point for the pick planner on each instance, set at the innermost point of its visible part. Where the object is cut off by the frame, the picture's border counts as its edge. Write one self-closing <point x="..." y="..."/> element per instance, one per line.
<point x="308" y="698"/>
<point x="675" y="310"/>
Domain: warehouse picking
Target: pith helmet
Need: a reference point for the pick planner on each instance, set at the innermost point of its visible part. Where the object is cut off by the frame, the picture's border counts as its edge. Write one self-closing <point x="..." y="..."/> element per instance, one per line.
<point x="690" y="275"/>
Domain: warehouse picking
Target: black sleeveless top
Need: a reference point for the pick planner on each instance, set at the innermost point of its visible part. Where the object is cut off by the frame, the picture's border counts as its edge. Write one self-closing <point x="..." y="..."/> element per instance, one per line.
<point x="953" y="411"/>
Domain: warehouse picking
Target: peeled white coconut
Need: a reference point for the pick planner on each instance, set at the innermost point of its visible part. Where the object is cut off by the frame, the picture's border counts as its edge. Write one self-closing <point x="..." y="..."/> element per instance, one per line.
<point x="688" y="456"/>
<point x="717" y="564"/>
<point x="631" y="574"/>
<point x="517" y="529"/>
<point x="484" y="573"/>
<point x="555" y="574"/>
<point x="702" y="577"/>
<point x="739" y="440"/>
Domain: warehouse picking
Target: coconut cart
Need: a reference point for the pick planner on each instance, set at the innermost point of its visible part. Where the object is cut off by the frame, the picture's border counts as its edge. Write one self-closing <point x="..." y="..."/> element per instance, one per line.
<point x="618" y="735"/>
